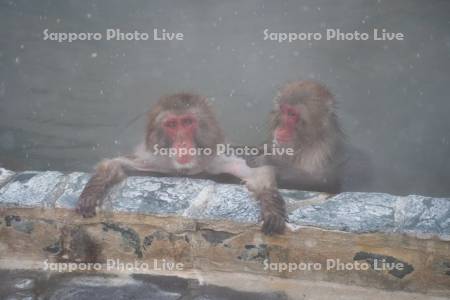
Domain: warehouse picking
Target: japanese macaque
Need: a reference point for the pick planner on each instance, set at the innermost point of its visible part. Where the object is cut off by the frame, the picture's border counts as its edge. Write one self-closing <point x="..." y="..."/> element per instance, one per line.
<point x="180" y="128"/>
<point x="305" y="126"/>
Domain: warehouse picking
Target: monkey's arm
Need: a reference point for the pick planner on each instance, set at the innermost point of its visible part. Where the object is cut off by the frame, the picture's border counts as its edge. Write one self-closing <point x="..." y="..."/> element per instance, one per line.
<point x="261" y="182"/>
<point x="108" y="173"/>
<point x="290" y="177"/>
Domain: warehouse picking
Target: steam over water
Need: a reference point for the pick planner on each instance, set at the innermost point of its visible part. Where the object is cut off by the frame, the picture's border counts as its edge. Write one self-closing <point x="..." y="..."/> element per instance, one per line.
<point x="64" y="106"/>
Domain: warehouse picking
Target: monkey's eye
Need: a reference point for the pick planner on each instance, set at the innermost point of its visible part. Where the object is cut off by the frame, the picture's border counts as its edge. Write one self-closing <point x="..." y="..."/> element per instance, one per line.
<point x="187" y="122"/>
<point x="171" y="124"/>
<point x="291" y="113"/>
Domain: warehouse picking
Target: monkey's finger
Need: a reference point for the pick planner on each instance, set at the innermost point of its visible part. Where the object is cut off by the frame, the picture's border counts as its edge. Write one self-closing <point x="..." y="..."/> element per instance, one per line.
<point x="280" y="226"/>
<point x="267" y="227"/>
<point x="270" y="227"/>
<point x="87" y="212"/>
<point x="86" y="207"/>
<point x="273" y="225"/>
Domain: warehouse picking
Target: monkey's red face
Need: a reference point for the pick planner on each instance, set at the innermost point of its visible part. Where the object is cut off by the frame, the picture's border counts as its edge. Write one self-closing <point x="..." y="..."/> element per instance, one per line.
<point x="181" y="130"/>
<point x="289" y="118"/>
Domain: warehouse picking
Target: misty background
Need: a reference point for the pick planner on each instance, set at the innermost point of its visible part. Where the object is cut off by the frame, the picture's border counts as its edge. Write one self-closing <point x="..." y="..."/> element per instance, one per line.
<point x="64" y="106"/>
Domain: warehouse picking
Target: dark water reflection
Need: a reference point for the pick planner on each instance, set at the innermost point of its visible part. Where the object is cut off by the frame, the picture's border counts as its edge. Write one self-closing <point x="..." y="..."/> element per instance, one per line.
<point x="29" y="284"/>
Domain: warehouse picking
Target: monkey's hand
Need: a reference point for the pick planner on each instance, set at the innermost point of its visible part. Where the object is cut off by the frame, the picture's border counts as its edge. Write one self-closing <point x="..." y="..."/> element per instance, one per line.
<point x="262" y="183"/>
<point x="107" y="173"/>
<point x="90" y="198"/>
<point x="256" y="161"/>
<point x="87" y="205"/>
<point x="273" y="211"/>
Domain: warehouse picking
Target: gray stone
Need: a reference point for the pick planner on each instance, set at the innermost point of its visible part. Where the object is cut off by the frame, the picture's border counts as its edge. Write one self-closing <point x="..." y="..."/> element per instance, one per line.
<point x="424" y="215"/>
<point x="156" y="195"/>
<point x="31" y="189"/>
<point x="195" y="198"/>
<point x="74" y="185"/>
<point x="356" y="212"/>
<point x="206" y="199"/>
<point x="372" y="212"/>
<point x="5" y="176"/>
<point x="220" y="201"/>
<point x="299" y="195"/>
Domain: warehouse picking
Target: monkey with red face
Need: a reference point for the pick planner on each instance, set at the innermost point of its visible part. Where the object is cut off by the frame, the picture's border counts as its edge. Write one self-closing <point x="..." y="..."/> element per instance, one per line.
<point x="182" y="124"/>
<point x="304" y="121"/>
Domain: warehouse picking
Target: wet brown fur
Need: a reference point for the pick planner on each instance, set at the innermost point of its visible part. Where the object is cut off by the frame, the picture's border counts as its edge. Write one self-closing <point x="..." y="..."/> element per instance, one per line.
<point x="261" y="183"/>
<point x="318" y="136"/>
